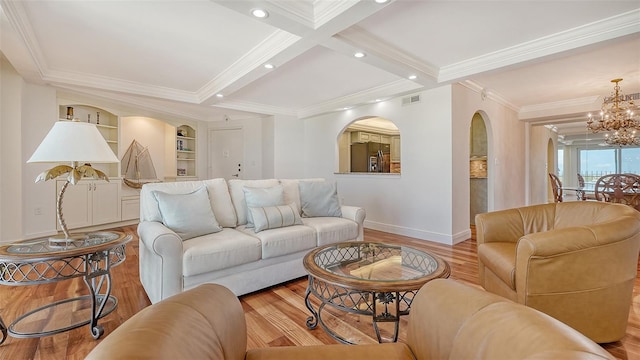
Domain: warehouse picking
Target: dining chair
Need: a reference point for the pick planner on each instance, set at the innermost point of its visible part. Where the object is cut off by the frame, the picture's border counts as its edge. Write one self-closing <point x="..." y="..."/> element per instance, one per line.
<point x="619" y="188"/>
<point x="582" y="194"/>
<point x="556" y="186"/>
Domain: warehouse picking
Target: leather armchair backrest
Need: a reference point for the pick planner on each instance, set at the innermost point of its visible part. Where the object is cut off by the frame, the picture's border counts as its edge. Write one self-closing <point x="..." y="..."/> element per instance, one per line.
<point x="451" y="320"/>
<point x="203" y="323"/>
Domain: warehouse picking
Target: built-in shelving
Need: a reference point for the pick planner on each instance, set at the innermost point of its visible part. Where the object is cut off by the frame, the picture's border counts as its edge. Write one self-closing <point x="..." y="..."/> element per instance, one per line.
<point x="106" y="122"/>
<point x="185" y="151"/>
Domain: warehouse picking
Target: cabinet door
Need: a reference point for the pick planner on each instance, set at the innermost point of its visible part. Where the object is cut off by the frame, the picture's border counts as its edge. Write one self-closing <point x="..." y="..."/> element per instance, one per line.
<point x="395" y="148"/>
<point x="76" y="204"/>
<point x="105" y="202"/>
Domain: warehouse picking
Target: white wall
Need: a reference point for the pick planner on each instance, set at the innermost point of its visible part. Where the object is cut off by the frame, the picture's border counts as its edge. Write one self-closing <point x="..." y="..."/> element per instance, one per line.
<point x="417" y="202"/>
<point x="430" y="198"/>
<point x="539" y="168"/>
<point x="289" y="151"/>
<point x="505" y="159"/>
<point x="11" y="85"/>
<point x="149" y="133"/>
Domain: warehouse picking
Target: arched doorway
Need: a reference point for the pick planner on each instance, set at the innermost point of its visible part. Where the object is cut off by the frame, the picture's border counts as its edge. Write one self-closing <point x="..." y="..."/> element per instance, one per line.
<point x="478" y="149"/>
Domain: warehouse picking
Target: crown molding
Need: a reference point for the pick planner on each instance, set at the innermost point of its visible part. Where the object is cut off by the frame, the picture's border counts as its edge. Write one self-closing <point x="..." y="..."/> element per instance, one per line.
<point x="326" y="10"/>
<point x="374" y="46"/>
<point x="59" y="78"/>
<point x="606" y="29"/>
<point x="394" y="89"/>
<point x="155" y="106"/>
<point x="271" y="46"/>
<point x="489" y="94"/>
<point x="255" y="108"/>
<point x="20" y="21"/>
<point x="301" y="12"/>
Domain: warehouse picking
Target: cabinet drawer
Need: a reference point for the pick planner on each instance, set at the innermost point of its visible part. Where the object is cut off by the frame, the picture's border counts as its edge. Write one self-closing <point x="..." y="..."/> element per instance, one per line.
<point x="130" y="209"/>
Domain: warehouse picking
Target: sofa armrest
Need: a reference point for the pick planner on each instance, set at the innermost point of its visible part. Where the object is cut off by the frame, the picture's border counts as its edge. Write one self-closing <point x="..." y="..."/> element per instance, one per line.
<point x="160" y="260"/>
<point x="185" y="326"/>
<point x="499" y="226"/>
<point x="356" y="214"/>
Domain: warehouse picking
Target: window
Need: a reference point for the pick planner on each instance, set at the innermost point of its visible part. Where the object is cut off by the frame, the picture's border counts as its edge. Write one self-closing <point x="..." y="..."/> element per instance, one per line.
<point x="595" y="163"/>
<point x="630" y="160"/>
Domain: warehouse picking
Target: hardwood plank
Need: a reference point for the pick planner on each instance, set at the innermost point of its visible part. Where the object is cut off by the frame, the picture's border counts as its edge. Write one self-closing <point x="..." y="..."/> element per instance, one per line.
<point x="275" y="316"/>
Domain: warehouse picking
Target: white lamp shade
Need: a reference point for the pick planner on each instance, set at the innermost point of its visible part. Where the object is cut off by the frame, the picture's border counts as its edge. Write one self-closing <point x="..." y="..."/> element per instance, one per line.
<point x="69" y="141"/>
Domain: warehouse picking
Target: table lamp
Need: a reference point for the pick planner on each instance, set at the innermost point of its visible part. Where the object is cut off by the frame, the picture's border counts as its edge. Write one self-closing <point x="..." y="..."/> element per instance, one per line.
<point x="73" y="142"/>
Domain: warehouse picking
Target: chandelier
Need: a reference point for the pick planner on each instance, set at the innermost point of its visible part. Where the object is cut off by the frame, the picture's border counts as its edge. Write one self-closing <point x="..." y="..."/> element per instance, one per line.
<point x="619" y="115"/>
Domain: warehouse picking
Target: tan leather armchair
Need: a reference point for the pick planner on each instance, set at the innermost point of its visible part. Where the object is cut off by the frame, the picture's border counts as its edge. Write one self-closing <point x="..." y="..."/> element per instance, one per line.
<point x="448" y="320"/>
<point x="576" y="261"/>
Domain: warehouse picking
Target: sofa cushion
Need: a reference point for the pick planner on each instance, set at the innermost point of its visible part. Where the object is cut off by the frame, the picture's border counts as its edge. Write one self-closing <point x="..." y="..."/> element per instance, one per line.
<point x="319" y="199"/>
<point x="292" y="190"/>
<point x="500" y="258"/>
<point x="188" y="215"/>
<point x="218" y="197"/>
<point x="272" y="217"/>
<point x="283" y="241"/>
<point x="331" y="230"/>
<point x="262" y="197"/>
<point x="221" y="202"/>
<point x="220" y="250"/>
<point x="237" y="194"/>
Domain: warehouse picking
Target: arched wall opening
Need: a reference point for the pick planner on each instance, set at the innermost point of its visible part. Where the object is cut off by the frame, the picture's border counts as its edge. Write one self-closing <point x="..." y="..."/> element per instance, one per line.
<point x="478" y="167"/>
<point x="369" y="144"/>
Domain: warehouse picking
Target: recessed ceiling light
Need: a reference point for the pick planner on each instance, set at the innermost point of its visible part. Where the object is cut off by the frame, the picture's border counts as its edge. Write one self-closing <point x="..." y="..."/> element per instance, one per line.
<point x="378" y="100"/>
<point x="359" y="54"/>
<point x="260" y="13"/>
<point x="219" y="95"/>
<point x="412" y="77"/>
<point x="382" y="1"/>
<point x="269" y="66"/>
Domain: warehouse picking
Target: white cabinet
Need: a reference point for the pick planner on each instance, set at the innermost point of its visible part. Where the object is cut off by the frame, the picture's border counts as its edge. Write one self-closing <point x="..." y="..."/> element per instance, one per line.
<point x="395" y="148"/>
<point x="130" y="208"/>
<point x="90" y="202"/>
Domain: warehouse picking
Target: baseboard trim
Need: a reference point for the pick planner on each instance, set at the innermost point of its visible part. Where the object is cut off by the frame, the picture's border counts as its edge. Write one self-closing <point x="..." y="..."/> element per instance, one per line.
<point x="419" y="234"/>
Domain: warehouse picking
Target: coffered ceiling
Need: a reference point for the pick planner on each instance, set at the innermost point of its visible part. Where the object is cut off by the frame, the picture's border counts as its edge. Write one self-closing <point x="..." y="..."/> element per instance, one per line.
<point x="550" y="61"/>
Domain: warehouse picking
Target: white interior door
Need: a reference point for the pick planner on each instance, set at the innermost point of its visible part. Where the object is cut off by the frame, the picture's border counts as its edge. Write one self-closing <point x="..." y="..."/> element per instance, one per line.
<point x="226" y="153"/>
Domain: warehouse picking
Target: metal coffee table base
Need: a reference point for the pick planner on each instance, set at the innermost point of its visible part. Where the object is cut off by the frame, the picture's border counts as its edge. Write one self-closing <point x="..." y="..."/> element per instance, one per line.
<point x="381" y="306"/>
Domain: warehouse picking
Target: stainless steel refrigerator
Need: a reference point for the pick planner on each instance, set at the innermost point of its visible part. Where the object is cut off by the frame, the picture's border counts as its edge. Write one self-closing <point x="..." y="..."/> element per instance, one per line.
<point x="370" y="157"/>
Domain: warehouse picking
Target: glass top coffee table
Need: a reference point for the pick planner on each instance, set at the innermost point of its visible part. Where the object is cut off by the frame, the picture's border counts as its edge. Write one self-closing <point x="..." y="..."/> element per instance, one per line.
<point x="41" y="261"/>
<point x="368" y="278"/>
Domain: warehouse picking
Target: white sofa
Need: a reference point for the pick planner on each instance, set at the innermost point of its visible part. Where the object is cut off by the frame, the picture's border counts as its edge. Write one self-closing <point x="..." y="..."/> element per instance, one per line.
<point x="236" y="257"/>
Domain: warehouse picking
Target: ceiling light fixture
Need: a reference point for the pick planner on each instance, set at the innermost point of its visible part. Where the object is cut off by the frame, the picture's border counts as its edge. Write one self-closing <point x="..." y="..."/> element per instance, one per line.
<point x="220" y="95"/>
<point x="359" y="54"/>
<point x="412" y="77"/>
<point x="269" y="66"/>
<point x="260" y="13"/>
<point x="382" y="1"/>
<point x="619" y="115"/>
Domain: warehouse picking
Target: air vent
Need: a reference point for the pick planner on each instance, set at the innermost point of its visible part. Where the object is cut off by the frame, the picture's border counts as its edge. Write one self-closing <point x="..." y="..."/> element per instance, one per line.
<point x="410" y="99"/>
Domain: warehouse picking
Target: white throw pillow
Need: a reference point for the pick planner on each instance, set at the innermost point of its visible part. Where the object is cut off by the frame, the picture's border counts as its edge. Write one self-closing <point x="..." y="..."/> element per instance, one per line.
<point x="319" y="198"/>
<point x="272" y="217"/>
<point x="188" y="215"/>
<point x="262" y="197"/>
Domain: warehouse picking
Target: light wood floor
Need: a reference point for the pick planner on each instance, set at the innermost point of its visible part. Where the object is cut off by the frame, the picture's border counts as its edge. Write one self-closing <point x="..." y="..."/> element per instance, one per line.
<point x="275" y="316"/>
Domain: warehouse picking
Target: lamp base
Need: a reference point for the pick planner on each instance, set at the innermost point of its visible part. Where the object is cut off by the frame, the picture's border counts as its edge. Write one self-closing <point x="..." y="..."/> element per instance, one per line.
<point x="62" y="241"/>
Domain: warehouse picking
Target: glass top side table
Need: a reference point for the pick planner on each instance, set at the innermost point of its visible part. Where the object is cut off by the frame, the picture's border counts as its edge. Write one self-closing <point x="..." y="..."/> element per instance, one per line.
<point x="40" y="261"/>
